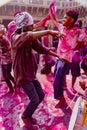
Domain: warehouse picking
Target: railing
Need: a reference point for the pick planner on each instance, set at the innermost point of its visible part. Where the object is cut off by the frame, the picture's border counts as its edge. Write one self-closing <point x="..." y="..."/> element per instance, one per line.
<point x="45" y="3"/>
<point x="39" y="8"/>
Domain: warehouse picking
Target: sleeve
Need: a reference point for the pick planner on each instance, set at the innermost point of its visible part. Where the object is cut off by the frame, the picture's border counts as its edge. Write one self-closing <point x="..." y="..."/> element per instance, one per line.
<point x="18" y="40"/>
<point x="37" y="46"/>
<point x="8" y="43"/>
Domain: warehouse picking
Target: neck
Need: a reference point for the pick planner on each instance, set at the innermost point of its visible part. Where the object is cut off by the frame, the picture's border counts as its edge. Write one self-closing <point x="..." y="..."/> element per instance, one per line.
<point x="69" y="26"/>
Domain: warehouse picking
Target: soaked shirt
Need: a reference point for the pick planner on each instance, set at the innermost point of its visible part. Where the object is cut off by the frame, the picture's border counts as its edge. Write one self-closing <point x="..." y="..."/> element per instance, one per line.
<point x="67" y="44"/>
<point x="24" y="60"/>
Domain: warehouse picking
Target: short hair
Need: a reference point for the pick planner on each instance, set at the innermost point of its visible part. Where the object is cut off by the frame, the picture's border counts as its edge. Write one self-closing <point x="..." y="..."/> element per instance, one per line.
<point x="73" y="13"/>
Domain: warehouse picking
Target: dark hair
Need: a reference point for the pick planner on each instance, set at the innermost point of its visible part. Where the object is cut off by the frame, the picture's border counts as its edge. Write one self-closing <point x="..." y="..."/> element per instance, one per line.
<point x="73" y="13"/>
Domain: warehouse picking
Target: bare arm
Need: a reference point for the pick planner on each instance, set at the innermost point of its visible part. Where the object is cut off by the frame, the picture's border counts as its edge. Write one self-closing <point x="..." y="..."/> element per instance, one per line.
<point x="55" y="55"/>
<point x="51" y="15"/>
<point x="52" y="12"/>
<point x="42" y="22"/>
<point x="39" y="34"/>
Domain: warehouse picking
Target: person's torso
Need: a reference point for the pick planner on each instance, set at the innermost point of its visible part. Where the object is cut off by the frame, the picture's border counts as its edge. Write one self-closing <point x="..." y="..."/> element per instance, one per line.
<point x="24" y="62"/>
<point x="68" y="43"/>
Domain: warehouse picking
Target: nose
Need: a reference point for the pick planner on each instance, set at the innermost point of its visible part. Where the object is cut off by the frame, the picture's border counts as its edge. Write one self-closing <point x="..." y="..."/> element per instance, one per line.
<point x="63" y="21"/>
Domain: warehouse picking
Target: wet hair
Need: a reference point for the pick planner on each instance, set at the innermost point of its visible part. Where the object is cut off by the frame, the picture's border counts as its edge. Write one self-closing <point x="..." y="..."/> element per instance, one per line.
<point x="73" y="13"/>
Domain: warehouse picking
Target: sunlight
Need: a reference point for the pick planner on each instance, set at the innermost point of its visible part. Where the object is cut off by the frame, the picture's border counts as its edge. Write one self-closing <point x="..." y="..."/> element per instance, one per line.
<point x="82" y="2"/>
<point x="3" y="2"/>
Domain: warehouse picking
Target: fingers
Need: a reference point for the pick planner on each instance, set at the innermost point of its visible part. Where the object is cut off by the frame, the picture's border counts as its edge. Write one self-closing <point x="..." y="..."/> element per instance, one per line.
<point x="64" y="60"/>
<point x="60" y="35"/>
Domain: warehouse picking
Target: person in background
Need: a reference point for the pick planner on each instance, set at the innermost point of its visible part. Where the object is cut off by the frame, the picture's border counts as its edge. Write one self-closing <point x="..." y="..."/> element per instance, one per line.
<point x="11" y="28"/>
<point x="47" y="60"/>
<point x="6" y="61"/>
<point x="23" y="41"/>
<point x="84" y="61"/>
<point x="65" y="49"/>
<point x="84" y="54"/>
<point x="75" y="68"/>
<point x="83" y="65"/>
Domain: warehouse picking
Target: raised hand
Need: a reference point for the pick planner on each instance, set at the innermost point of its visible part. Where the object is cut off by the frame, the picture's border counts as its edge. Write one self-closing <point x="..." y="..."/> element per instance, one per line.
<point x="52" y="10"/>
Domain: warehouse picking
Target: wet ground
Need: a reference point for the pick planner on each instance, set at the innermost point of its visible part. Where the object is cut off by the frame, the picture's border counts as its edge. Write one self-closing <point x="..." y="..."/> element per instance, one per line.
<point x="48" y="117"/>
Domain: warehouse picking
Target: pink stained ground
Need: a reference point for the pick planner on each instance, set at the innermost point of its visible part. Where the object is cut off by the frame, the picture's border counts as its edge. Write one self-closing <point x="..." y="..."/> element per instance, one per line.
<point x="48" y="117"/>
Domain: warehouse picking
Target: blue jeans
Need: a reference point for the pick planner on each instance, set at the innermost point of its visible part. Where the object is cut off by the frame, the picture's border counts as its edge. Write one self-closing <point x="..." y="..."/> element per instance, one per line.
<point x="61" y="69"/>
<point x="35" y="93"/>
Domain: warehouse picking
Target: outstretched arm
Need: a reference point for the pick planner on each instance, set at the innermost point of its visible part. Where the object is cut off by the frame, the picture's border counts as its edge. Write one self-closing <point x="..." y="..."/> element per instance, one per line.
<point x="52" y="12"/>
<point x="42" y="22"/>
<point x="39" y="34"/>
<point x="51" y="15"/>
<point x="55" y="55"/>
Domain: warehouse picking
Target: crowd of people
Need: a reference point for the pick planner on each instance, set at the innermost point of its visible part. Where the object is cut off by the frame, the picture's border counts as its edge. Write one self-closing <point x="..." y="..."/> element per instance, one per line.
<point x="17" y="43"/>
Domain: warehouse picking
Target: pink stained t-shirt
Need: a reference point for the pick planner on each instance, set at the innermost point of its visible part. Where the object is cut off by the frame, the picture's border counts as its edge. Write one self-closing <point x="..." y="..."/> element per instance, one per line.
<point x="69" y="42"/>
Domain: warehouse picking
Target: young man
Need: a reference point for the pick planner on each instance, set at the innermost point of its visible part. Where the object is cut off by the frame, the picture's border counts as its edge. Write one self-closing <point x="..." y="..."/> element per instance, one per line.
<point x="66" y="46"/>
<point x="24" y="40"/>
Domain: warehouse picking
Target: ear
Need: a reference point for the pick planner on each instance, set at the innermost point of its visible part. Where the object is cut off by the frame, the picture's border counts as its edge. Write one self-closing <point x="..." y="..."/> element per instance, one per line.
<point x="72" y="20"/>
